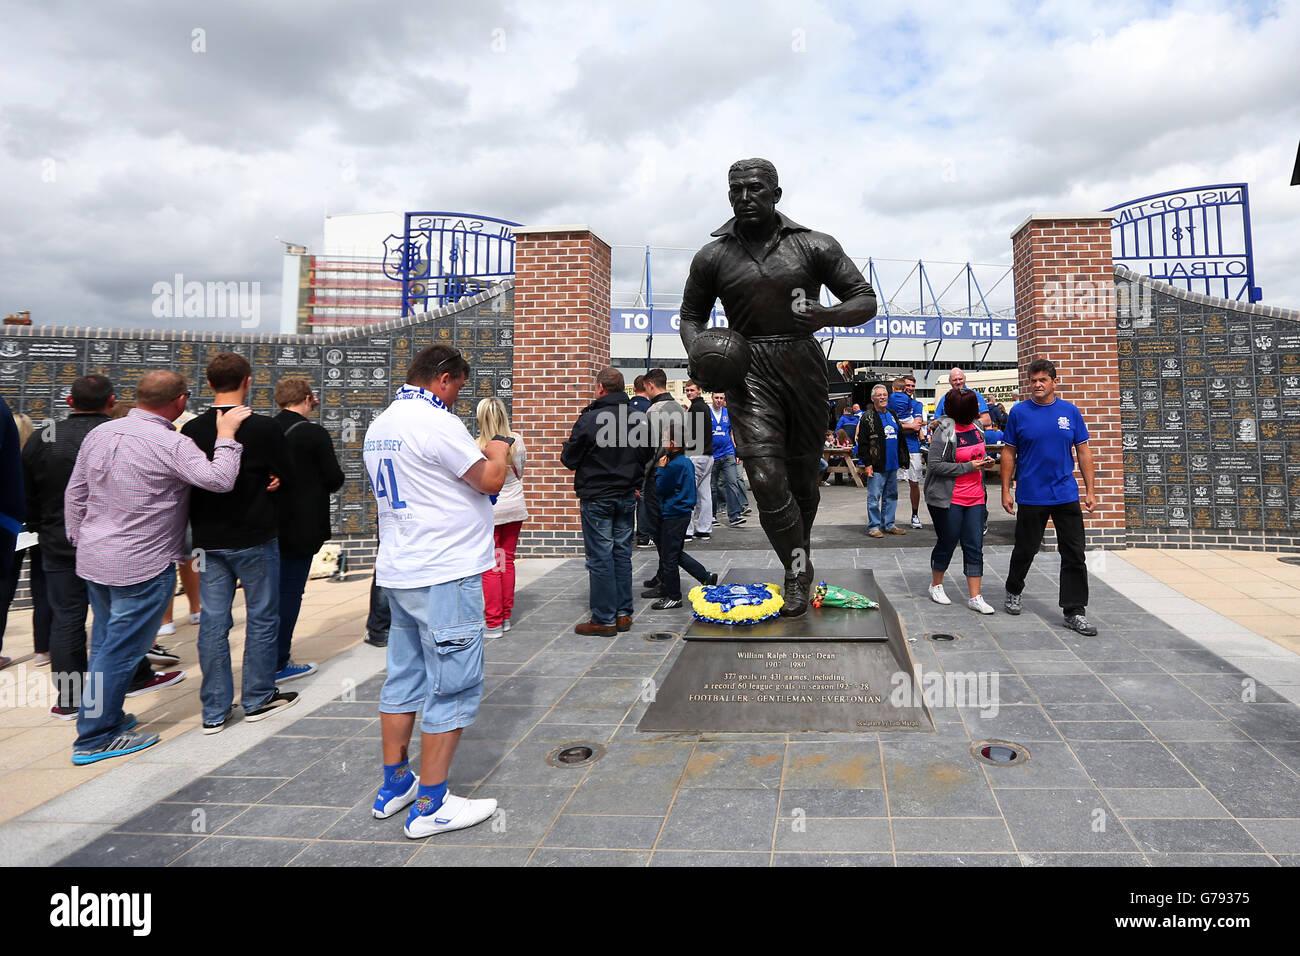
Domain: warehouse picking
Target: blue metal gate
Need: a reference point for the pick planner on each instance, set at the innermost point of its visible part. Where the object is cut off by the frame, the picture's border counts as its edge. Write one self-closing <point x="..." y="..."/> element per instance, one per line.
<point x="446" y="256"/>
<point x="1197" y="238"/>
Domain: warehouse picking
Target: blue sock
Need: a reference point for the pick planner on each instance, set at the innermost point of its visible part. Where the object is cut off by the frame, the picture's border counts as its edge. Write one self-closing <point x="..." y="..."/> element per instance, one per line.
<point x="397" y="776"/>
<point x="430" y="798"/>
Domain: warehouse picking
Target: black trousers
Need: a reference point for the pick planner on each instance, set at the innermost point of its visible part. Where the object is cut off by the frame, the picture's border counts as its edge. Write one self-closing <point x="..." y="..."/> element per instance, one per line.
<point x="1031" y="522"/>
<point x="649" y="503"/>
<point x="671" y="537"/>
<point x="69" y="605"/>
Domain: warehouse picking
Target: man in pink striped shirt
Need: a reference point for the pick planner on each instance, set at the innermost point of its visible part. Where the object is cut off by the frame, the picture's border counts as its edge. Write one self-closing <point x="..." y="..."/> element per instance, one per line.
<point x="125" y="510"/>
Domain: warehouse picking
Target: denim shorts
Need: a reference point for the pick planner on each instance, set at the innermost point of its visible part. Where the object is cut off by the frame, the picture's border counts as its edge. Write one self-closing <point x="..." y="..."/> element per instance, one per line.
<point x="435" y="654"/>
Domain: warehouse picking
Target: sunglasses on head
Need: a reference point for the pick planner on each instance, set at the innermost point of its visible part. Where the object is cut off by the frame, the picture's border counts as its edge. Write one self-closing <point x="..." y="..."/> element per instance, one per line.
<point x="451" y="358"/>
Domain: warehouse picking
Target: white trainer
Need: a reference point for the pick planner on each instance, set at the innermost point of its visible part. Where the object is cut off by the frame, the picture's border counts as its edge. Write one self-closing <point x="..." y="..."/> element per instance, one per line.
<point x="386" y="806"/>
<point x="456" y="813"/>
<point x="166" y="630"/>
<point x="978" y="603"/>
<point x="937" y="595"/>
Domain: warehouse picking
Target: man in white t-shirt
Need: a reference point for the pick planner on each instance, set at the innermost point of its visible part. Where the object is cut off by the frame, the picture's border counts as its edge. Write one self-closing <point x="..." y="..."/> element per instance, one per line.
<point x="432" y="488"/>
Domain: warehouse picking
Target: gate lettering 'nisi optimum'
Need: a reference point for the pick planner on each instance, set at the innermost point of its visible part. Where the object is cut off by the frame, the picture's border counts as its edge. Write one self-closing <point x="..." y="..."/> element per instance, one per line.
<point x="1197" y="239"/>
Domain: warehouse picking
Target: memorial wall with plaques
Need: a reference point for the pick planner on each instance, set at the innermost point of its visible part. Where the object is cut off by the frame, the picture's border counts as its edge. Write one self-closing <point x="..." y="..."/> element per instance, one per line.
<point x="1209" y="406"/>
<point x="355" y="373"/>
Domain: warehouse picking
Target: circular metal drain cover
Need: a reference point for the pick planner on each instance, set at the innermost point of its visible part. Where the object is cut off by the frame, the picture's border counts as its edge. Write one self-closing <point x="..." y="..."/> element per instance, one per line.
<point x="575" y="755"/>
<point x="1000" y="753"/>
<point x="656" y="636"/>
<point x="943" y="637"/>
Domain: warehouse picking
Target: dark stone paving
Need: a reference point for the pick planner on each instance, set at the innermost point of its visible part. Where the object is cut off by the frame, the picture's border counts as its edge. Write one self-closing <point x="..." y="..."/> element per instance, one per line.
<point x="1142" y="754"/>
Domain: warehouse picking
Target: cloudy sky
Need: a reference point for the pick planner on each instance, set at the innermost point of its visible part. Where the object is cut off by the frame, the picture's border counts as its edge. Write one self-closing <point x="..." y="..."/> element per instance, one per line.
<point x="141" y="140"/>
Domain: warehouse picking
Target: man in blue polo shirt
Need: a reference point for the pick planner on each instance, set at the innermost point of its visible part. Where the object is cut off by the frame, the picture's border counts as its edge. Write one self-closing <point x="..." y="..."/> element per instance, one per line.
<point x="1042" y="436"/>
<point x="957" y="379"/>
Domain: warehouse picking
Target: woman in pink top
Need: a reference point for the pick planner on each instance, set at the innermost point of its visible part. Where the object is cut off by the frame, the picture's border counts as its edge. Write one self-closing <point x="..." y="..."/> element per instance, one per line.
<point x="954" y="493"/>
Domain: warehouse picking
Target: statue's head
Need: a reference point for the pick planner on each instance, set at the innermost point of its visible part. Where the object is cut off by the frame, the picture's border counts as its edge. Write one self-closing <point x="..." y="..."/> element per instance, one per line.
<point x="753" y="190"/>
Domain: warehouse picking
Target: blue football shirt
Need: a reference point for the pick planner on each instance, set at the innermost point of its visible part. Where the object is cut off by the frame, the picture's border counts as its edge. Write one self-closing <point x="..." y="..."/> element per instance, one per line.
<point x="891" y="440"/>
<point x="722" y="443"/>
<point x="903" y="408"/>
<point x="1044" y="437"/>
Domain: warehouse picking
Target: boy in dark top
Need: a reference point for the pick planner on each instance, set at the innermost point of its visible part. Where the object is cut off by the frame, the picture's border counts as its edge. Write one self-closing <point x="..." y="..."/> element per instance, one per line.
<point x="305" y="514"/>
<point x="237" y="533"/>
<point x="675" y="489"/>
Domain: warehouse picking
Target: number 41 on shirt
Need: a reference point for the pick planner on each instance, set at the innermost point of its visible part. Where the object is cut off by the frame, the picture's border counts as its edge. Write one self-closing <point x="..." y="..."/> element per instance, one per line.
<point x="387" y="489"/>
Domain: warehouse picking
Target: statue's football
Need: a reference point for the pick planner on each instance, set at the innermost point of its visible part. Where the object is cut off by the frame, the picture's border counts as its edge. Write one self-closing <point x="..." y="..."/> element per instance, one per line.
<point x="719" y="359"/>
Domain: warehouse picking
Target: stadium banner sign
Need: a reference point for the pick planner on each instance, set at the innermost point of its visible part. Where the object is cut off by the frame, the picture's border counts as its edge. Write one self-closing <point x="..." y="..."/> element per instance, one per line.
<point x="642" y="321"/>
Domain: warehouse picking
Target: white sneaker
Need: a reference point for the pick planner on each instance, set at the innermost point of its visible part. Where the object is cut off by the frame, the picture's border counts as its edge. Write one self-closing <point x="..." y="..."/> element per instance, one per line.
<point x="492" y="633"/>
<point x="978" y="603"/>
<point x="194" y="618"/>
<point x="937" y="595"/>
<point x="386" y="806"/>
<point x="165" y="630"/>
<point x="916" y="521"/>
<point x="456" y="813"/>
<point x="506" y="625"/>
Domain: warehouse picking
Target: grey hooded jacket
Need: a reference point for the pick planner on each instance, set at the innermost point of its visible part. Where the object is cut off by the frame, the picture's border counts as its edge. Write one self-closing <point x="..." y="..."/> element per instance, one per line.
<point x="941" y="467"/>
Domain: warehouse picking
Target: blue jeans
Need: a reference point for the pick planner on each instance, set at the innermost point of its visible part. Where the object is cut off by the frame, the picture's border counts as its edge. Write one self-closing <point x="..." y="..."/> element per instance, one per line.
<point x="959" y="523"/>
<point x="126" y="625"/>
<point x="726" y="476"/>
<point x="435" y="654"/>
<point x="607" y="539"/>
<point x="293" y="581"/>
<point x="882" y="499"/>
<point x="258" y="569"/>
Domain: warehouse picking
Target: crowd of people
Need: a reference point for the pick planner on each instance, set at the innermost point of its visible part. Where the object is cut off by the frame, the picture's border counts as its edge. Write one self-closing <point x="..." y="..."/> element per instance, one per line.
<point x="1037" y="444"/>
<point x="244" y="499"/>
<point x="671" y="487"/>
<point x="445" y="517"/>
<point x="118" y="497"/>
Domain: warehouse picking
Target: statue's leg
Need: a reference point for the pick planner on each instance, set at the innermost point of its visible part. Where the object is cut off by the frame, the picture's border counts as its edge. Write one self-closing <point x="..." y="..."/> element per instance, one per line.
<point x="782" y="519"/>
<point x="806" y="491"/>
<point x="778" y="512"/>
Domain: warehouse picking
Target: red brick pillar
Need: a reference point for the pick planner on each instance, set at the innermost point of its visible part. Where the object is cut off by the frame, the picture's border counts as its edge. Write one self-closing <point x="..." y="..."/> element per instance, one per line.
<point x="1065" y="312"/>
<point x="561" y="342"/>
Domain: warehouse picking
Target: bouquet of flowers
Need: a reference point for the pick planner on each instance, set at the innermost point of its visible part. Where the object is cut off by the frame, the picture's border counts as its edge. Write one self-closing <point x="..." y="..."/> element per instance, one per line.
<point x="828" y="595"/>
